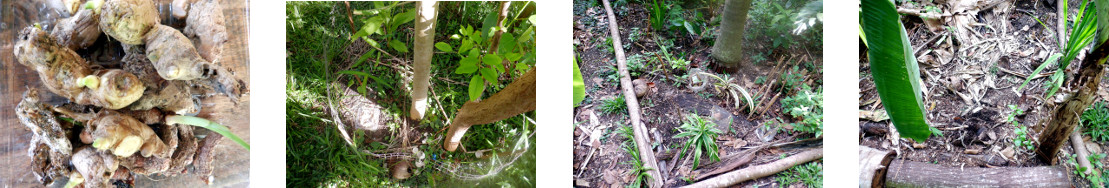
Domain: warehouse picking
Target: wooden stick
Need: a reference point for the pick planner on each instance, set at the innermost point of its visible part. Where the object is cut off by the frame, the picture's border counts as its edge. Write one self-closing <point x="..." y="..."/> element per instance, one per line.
<point x="1083" y="154"/>
<point x="646" y="155"/>
<point x="904" y="173"/>
<point x="755" y="172"/>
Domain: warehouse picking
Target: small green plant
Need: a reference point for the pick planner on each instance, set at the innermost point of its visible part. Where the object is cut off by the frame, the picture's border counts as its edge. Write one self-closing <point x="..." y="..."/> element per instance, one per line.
<point x="614" y="106"/>
<point x="1021" y="141"/>
<point x="1096" y="121"/>
<point x="482" y="61"/>
<point x="700" y="135"/>
<point x="808" y="107"/>
<point x="791" y="79"/>
<point x="1083" y="33"/>
<point x="1097" y="178"/>
<point x="808" y="174"/>
<point x="638" y="170"/>
<point x="760" y="80"/>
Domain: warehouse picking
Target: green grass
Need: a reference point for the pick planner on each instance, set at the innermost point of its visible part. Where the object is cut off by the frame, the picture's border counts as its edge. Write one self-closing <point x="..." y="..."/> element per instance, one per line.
<point x="808" y="174"/>
<point x="317" y="156"/>
<point x="638" y="170"/>
<point x="614" y="106"/>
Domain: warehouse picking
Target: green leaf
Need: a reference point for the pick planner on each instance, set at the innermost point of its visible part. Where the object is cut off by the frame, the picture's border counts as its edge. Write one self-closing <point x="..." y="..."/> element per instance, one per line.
<point x="466" y="68"/>
<point x="1050" y="60"/>
<point x="474" y="53"/>
<point x="469" y="30"/>
<point x="399" y="46"/>
<point x="489" y="74"/>
<point x="513" y="56"/>
<point x="204" y="123"/>
<point x="894" y="68"/>
<point x="442" y="46"/>
<point x="489" y="24"/>
<point x="355" y="73"/>
<point x="476" y="87"/>
<point x="465" y="46"/>
<point x="404" y="18"/>
<point x="508" y="43"/>
<point x="579" y="85"/>
<point x="476" y="37"/>
<point x="362" y="59"/>
<point x="532" y="19"/>
<point x="526" y="36"/>
<point x="494" y="61"/>
<point x="456" y="37"/>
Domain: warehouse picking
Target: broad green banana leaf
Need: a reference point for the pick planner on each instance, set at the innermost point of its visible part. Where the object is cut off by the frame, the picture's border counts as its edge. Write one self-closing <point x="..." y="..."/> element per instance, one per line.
<point x="579" y="85"/>
<point x="894" y="68"/>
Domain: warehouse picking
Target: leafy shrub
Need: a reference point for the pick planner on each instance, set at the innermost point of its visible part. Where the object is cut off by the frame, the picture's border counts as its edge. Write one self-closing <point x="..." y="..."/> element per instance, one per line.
<point x="791" y="79"/>
<point x="777" y="22"/>
<point x="701" y="135"/>
<point x="1096" y="121"/>
<point x="808" y="107"/>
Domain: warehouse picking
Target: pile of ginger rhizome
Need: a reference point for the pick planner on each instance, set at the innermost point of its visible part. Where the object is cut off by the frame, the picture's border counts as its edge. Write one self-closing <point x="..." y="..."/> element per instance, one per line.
<point x="102" y="124"/>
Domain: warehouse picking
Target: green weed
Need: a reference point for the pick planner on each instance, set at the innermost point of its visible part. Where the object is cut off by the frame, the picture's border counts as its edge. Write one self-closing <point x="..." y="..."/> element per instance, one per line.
<point x="1022" y="140"/>
<point x="1096" y="121"/>
<point x="809" y="174"/>
<point x="807" y="106"/>
<point x="638" y="170"/>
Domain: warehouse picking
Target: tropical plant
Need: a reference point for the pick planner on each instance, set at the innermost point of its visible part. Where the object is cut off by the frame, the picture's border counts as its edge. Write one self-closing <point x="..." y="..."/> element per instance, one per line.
<point x="723" y="85"/>
<point x="700" y="135"/>
<point x="579" y="85"/>
<point x="482" y="60"/>
<point x="1084" y="32"/>
<point x="894" y="68"/>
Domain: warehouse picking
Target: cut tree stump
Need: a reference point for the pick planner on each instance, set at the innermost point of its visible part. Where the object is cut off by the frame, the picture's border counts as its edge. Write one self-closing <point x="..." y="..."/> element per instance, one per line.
<point x="872" y="164"/>
<point x="904" y="173"/>
<point x="1065" y="117"/>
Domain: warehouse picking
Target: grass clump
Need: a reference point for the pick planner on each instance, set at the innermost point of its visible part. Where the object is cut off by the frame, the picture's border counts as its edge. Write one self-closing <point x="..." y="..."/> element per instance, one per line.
<point x="807" y="106"/>
<point x="1096" y="121"/>
<point x="808" y="174"/>
<point x="614" y="106"/>
<point x="700" y="135"/>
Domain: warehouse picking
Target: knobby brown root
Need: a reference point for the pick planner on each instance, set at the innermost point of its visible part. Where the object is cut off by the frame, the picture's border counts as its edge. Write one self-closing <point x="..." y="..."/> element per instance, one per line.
<point x="41" y="121"/>
<point x="169" y="95"/>
<point x="186" y="149"/>
<point x="128" y="20"/>
<point x="79" y="31"/>
<point x="95" y="167"/>
<point x="173" y="55"/>
<point x="205" y="154"/>
<point x="205" y="26"/>
<point x="65" y="73"/>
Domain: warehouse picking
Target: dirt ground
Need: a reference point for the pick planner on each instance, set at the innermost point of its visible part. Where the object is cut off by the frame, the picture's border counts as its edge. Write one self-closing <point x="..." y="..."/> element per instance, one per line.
<point x="969" y="85"/>
<point x="603" y="163"/>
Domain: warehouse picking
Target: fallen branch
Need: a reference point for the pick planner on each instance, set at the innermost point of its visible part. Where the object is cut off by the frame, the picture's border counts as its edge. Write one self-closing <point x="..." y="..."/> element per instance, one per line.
<point x="755" y="172"/>
<point x="736" y="160"/>
<point x="645" y="153"/>
<point x="904" y="173"/>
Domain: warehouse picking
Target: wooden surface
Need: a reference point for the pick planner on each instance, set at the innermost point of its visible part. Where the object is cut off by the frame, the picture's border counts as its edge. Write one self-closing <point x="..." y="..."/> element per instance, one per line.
<point x="904" y="173"/>
<point x="232" y="161"/>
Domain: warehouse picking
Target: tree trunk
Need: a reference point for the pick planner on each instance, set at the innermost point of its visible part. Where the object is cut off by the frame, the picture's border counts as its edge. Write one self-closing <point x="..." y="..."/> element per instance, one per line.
<point x="517" y="98"/>
<point x="646" y="154"/>
<point x="422" y="52"/>
<point x="1065" y="118"/>
<point x="729" y="42"/>
<point x="755" y="172"/>
<point x="872" y="164"/>
<point x="904" y="173"/>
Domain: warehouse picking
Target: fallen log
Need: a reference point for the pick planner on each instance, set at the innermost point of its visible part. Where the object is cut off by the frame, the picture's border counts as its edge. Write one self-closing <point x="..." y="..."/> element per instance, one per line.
<point x="646" y="154"/>
<point x="755" y="172"/>
<point x="904" y="173"/>
<point x="872" y="166"/>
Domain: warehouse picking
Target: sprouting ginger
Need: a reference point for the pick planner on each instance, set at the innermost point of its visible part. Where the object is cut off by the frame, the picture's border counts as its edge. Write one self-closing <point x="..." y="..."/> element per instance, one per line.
<point x="65" y="73"/>
<point x="128" y="20"/>
<point x="123" y="135"/>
